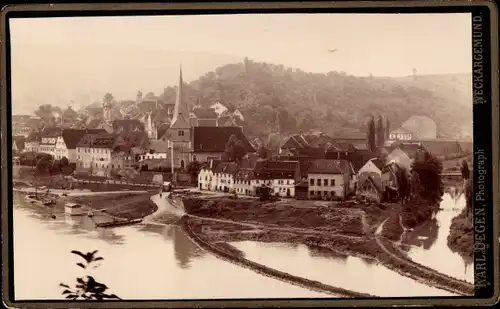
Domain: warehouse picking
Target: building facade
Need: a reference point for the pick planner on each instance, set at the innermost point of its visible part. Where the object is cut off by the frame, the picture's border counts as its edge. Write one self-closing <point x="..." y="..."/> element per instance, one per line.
<point x="329" y="179"/>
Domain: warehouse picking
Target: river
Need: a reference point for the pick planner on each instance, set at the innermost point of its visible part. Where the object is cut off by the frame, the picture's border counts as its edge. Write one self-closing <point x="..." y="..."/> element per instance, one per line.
<point x="160" y="262"/>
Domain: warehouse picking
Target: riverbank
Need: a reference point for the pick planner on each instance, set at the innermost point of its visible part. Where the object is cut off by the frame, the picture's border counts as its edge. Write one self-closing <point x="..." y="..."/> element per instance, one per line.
<point x="461" y="237"/>
<point x="351" y="228"/>
<point x="128" y="206"/>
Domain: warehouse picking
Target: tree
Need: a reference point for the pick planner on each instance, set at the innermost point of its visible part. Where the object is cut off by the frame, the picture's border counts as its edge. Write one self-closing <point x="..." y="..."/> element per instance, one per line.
<point x="193" y="169"/>
<point x="403" y="181"/>
<point x="46" y="112"/>
<point x="64" y="162"/>
<point x="464" y="169"/>
<point x="235" y="149"/>
<point x="429" y="173"/>
<point x="43" y="164"/>
<point x="87" y="288"/>
<point x="108" y="98"/>
<point x="371" y="142"/>
<point x="387" y="128"/>
<point x="380" y="132"/>
<point x="263" y="152"/>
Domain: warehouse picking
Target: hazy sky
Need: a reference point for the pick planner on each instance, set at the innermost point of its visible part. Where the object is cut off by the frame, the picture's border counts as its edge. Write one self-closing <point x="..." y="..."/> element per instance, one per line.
<point x="378" y="44"/>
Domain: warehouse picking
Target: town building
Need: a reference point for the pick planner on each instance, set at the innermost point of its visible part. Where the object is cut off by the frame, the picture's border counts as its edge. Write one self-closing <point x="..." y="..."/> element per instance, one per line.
<point x="420" y="127"/>
<point x="203" y="117"/>
<point x="330" y="179"/>
<point x="244" y="183"/>
<point x="18" y="143"/>
<point x="48" y="140"/>
<point x="158" y="149"/>
<point x="224" y="176"/>
<point x="279" y="176"/>
<point x="209" y="143"/>
<point x="370" y="189"/>
<point x="206" y="177"/>
<point x="298" y="142"/>
<point x="404" y="153"/>
<point x="32" y="143"/>
<point x="95" y="154"/>
<point x="67" y="140"/>
<point x="400" y="134"/>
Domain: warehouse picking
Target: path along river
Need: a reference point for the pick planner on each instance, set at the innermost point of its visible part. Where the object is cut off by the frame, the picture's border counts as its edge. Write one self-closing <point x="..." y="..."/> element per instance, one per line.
<point x="154" y="261"/>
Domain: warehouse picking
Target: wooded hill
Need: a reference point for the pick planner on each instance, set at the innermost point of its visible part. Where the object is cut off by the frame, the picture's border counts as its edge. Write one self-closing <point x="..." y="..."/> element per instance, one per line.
<point x="273" y="97"/>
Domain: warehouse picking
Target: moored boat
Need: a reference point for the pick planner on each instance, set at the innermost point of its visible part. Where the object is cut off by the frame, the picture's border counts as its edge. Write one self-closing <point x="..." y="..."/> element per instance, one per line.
<point x="118" y="223"/>
<point x="74" y="209"/>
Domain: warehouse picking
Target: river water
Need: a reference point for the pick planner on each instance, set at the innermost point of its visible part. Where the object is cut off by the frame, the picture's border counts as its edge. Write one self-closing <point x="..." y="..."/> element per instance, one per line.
<point x="160" y="262"/>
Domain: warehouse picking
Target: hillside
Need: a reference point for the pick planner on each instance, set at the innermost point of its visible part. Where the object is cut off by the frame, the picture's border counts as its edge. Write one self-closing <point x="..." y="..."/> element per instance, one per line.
<point x="335" y="103"/>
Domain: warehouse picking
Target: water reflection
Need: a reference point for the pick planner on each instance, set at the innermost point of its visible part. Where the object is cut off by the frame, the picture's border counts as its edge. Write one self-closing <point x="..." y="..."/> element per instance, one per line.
<point x="351" y="273"/>
<point x="429" y="244"/>
<point x="317" y="251"/>
<point x="65" y="224"/>
<point x="145" y="266"/>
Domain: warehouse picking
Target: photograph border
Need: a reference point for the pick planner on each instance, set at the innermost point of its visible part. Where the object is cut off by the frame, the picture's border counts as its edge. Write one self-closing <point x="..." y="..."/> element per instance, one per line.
<point x="485" y="115"/>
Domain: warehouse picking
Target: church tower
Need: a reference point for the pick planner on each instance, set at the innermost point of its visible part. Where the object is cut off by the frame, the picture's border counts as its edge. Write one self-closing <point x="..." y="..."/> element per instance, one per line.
<point x="179" y="133"/>
<point x="106" y="110"/>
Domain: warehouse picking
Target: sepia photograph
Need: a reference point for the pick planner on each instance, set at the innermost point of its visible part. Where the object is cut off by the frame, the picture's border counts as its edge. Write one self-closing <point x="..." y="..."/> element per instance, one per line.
<point x="242" y="156"/>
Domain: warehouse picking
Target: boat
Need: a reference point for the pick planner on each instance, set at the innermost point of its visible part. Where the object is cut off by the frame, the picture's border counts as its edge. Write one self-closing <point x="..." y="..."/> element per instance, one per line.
<point x="118" y="223"/>
<point x="74" y="209"/>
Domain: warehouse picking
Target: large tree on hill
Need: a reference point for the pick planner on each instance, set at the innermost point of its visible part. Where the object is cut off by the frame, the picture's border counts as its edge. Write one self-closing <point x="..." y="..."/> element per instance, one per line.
<point x="46" y="112"/>
<point x="371" y="141"/>
<point x="108" y="98"/>
<point x="380" y="132"/>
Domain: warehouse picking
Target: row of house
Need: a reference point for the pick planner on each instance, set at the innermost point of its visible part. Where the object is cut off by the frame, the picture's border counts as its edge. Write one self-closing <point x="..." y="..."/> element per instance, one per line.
<point x="324" y="178"/>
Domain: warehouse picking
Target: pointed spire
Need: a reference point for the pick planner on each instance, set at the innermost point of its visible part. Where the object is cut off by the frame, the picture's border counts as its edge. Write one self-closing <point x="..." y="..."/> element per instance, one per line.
<point x="181" y="111"/>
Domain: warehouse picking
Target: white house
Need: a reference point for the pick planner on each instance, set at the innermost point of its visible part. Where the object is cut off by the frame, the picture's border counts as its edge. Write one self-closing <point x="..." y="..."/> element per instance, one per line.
<point x="206" y="177"/>
<point x="33" y="142"/>
<point x="278" y="175"/>
<point x="67" y="141"/>
<point x="95" y="153"/>
<point x="224" y="176"/>
<point x="48" y="144"/>
<point x="372" y="166"/>
<point x="329" y="178"/>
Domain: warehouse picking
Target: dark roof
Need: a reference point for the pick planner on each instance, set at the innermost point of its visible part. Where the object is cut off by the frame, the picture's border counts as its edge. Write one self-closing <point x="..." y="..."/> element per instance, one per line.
<point x="104" y="140"/>
<point x="51" y="132"/>
<point x="211" y="165"/>
<point x="71" y="137"/>
<point x="19" y="140"/>
<point x="358" y="142"/>
<point x="249" y="161"/>
<point x="226" y="168"/>
<point x="324" y="166"/>
<point x="309" y="152"/>
<point x="205" y="113"/>
<point x="271" y="169"/>
<point x="127" y="125"/>
<point x="148" y="105"/>
<point x="244" y="174"/>
<point x="214" y="139"/>
<point x="134" y="139"/>
<point x="341" y="147"/>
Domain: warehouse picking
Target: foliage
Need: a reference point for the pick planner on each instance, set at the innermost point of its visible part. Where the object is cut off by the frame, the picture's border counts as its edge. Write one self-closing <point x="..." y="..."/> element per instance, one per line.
<point x="334" y="102"/>
<point x="371" y="135"/>
<point x="403" y="181"/>
<point x="46" y="112"/>
<point x="263" y="192"/>
<point x="262" y="152"/>
<point x="235" y="150"/>
<point x="193" y="168"/>
<point x="87" y="288"/>
<point x="380" y="132"/>
<point x="64" y="162"/>
<point x="387" y="128"/>
<point x="108" y="98"/>
<point x="429" y="174"/>
<point x="464" y="169"/>
<point x="43" y="164"/>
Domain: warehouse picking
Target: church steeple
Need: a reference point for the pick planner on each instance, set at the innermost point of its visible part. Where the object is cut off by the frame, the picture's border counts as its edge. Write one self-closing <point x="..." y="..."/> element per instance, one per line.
<point x="180" y="119"/>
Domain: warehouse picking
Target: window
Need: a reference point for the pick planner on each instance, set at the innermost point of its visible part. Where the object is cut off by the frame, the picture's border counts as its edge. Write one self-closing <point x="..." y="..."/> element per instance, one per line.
<point x="318" y="193"/>
<point x="311" y="182"/>
<point x="325" y="182"/>
<point x="332" y="182"/>
<point x="181" y="133"/>
<point x="311" y="193"/>
<point x="325" y="193"/>
<point x="318" y="182"/>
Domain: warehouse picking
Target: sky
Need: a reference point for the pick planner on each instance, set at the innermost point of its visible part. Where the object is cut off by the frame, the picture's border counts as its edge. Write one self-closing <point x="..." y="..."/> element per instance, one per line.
<point x="121" y="54"/>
